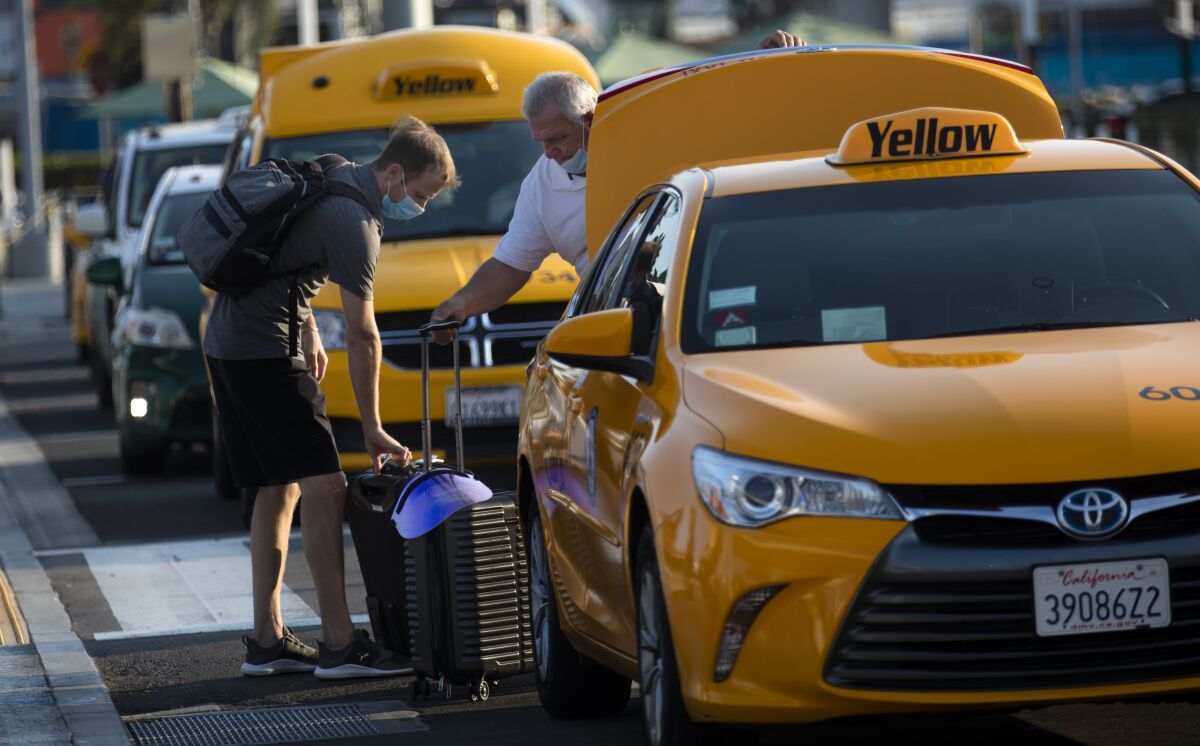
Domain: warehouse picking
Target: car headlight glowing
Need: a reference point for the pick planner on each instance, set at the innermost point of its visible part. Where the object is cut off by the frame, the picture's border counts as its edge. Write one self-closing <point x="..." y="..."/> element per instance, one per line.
<point x="749" y="493"/>
<point x="331" y="325"/>
<point x="156" y="327"/>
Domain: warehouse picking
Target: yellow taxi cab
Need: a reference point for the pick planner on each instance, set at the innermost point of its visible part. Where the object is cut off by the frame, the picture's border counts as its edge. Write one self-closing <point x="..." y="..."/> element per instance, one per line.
<point x="878" y="396"/>
<point x="341" y="98"/>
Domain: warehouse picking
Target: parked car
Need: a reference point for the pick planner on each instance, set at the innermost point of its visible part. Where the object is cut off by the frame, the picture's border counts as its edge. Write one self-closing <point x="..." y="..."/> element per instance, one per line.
<point x="115" y="220"/>
<point x="160" y="387"/>
<point x="883" y="402"/>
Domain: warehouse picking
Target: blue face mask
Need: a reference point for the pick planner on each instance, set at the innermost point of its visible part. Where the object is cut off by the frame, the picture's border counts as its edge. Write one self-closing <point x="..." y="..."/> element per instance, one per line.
<point x="405" y="209"/>
<point x="576" y="165"/>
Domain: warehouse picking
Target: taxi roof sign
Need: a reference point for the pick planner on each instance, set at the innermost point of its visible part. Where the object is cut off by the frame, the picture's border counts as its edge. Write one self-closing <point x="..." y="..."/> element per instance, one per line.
<point x="927" y="133"/>
<point x="446" y="76"/>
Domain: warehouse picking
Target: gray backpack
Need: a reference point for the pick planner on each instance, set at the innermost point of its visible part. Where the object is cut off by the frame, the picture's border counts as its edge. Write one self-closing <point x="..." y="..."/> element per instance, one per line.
<point x="231" y="241"/>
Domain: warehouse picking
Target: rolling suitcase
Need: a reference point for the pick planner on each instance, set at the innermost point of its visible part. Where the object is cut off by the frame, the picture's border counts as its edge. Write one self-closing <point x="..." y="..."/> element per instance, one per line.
<point x="369" y="512"/>
<point x="454" y="597"/>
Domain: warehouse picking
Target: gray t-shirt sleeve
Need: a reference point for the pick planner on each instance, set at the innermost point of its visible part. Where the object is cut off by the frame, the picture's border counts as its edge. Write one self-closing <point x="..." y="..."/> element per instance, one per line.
<point x="352" y="253"/>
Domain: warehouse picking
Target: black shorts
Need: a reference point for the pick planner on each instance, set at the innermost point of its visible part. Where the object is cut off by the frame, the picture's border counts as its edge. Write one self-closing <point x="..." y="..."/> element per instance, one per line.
<point x="273" y="422"/>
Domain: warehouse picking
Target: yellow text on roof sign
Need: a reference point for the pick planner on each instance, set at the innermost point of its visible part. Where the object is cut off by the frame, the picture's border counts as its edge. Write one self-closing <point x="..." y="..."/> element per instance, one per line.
<point x="437" y="77"/>
<point x="927" y="133"/>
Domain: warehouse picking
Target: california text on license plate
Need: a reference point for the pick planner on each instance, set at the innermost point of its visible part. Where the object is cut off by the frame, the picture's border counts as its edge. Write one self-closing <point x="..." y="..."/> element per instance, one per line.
<point x="1101" y="597"/>
<point x="486" y="405"/>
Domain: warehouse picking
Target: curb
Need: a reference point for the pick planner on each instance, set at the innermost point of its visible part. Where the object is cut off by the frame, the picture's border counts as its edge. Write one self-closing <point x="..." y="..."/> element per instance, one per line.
<point x="74" y="681"/>
<point x="13" y="630"/>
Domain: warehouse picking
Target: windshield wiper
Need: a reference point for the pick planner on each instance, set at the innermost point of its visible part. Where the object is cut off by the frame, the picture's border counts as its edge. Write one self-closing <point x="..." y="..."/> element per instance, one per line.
<point x="1049" y="326"/>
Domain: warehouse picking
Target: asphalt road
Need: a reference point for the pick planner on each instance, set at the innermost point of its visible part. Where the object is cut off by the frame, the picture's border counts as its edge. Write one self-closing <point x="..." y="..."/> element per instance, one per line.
<point x="145" y="522"/>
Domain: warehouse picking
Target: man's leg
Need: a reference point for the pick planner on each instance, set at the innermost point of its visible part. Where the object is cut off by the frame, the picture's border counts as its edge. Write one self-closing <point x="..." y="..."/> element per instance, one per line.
<point x="269" y="529"/>
<point x="321" y="524"/>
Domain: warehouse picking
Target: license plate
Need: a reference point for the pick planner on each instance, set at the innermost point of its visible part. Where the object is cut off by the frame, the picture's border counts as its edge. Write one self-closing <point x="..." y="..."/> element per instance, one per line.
<point x="1101" y="597"/>
<point x="486" y="405"/>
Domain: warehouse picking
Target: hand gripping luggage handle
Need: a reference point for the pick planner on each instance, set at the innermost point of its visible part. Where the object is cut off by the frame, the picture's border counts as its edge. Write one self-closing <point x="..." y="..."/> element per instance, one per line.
<point x="426" y="437"/>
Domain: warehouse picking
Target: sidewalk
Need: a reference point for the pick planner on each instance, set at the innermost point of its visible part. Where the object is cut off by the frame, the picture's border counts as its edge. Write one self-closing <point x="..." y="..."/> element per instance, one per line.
<point x="50" y="690"/>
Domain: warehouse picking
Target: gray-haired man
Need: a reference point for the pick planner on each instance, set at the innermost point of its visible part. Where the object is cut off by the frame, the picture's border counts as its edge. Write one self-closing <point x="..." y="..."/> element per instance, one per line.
<point x="549" y="214"/>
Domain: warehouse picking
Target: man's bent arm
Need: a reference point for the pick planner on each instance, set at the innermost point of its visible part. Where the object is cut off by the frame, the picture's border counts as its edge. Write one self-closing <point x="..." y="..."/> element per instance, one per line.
<point x="489" y="288"/>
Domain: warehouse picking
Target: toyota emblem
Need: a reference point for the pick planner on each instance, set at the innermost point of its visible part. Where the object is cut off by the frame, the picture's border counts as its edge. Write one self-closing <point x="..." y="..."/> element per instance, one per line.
<point x="1092" y="513"/>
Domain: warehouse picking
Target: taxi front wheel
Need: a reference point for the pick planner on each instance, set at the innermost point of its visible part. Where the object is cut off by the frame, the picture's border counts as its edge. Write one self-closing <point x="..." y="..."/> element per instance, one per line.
<point x="569" y="685"/>
<point x="665" y="719"/>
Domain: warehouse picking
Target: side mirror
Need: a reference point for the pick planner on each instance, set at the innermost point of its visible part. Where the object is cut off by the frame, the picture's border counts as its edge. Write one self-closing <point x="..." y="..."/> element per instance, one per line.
<point x="92" y="220"/>
<point x="598" y="341"/>
<point x="105" y="270"/>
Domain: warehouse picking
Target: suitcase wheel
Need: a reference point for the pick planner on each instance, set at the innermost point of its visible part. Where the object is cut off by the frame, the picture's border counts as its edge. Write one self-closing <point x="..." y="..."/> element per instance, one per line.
<point x="481" y="690"/>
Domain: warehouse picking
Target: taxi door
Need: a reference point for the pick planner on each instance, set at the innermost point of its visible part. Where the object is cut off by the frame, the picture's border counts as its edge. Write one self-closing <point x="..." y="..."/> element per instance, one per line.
<point x="570" y="503"/>
<point x="611" y="416"/>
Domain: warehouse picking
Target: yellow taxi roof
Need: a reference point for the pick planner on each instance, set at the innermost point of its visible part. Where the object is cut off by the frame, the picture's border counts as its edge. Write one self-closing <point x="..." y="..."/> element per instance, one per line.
<point x="813" y="168"/>
<point x="442" y="74"/>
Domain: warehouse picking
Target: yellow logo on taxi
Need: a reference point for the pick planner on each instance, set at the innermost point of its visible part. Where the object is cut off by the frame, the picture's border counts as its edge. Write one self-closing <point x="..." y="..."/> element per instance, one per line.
<point x="436" y="77"/>
<point x="927" y="133"/>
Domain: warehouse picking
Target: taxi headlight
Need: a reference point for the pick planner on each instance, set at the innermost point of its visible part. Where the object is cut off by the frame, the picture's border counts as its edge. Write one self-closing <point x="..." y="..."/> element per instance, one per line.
<point x="156" y="327"/>
<point x="749" y="493"/>
<point x="331" y="325"/>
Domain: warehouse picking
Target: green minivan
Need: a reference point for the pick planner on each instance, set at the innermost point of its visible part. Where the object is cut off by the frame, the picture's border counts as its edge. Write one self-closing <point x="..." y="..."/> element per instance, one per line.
<point x="160" y="387"/>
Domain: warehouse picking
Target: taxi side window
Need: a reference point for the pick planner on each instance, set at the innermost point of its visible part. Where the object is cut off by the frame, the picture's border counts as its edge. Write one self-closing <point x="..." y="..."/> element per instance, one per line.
<point x="645" y="278"/>
<point x="647" y="274"/>
<point x="612" y="262"/>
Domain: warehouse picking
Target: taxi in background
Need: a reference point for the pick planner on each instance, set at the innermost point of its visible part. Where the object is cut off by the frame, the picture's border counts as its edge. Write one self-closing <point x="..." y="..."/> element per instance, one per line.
<point x="886" y="404"/>
<point x="468" y="82"/>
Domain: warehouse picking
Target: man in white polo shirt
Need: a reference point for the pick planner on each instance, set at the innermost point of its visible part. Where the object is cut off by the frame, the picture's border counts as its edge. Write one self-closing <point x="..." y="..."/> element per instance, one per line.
<point x="549" y="214"/>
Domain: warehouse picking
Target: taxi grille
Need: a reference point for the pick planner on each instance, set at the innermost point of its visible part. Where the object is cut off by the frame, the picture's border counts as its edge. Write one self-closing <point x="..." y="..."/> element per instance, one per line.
<point x="1006" y="532"/>
<point x="985" y="496"/>
<point x="980" y="635"/>
<point x="507" y="336"/>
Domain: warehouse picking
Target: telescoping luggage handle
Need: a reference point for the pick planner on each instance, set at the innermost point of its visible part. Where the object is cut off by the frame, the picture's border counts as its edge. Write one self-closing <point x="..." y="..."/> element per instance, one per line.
<point x="426" y="437"/>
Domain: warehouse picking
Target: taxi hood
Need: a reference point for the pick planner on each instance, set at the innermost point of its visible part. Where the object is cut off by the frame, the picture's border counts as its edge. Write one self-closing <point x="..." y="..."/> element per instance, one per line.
<point x="765" y="103"/>
<point x="1012" y="408"/>
<point x="418" y="274"/>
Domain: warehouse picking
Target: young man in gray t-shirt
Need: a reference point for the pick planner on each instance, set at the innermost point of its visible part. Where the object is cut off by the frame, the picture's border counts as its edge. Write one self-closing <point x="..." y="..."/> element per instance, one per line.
<point x="271" y="410"/>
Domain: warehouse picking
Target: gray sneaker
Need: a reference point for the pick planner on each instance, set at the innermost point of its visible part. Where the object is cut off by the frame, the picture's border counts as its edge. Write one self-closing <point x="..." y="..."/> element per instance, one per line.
<point x="361" y="658"/>
<point x="289" y="655"/>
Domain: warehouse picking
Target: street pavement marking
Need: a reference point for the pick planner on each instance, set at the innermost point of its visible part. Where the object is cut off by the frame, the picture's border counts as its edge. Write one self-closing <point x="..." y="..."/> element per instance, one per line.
<point x="182" y="587"/>
<point x="297" y="623"/>
<point x="97" y="481"/>
<point x="44" y="375"/>
<point x="49" y="438"/>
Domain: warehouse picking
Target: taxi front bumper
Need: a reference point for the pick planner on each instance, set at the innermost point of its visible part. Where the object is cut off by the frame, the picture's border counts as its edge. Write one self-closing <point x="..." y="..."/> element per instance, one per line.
<point x="874" y="618"/>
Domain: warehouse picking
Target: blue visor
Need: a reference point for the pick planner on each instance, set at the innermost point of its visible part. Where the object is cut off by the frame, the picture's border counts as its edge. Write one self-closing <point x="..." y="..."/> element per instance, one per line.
<point x="430" y="499"/>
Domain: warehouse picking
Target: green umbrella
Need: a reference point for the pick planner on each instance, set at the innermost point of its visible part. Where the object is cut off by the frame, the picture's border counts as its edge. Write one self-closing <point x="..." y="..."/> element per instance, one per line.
<point x="219" y="86"/>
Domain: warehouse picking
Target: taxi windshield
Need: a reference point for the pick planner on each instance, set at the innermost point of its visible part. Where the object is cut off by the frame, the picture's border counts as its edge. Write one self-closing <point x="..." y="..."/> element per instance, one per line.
<point x="173" y="212"/>
<point x="943" y="257"/>
<point x="492" y="159"/>
<point x="150" y="165"/>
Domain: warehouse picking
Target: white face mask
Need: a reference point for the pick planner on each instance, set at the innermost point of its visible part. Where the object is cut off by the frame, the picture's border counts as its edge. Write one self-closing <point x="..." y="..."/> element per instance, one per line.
<point x="405" y="209"/>
<point x="576" y="165"/>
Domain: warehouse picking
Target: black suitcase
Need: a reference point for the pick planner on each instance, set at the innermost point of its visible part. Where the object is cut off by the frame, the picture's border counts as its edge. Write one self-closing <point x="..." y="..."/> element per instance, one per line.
<point x="455" y="600"/>
<point x="380" y="549"/>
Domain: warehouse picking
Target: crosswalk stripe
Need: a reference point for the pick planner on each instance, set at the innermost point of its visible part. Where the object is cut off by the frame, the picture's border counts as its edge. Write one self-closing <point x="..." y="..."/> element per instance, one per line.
<point x="181" y="587"/>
